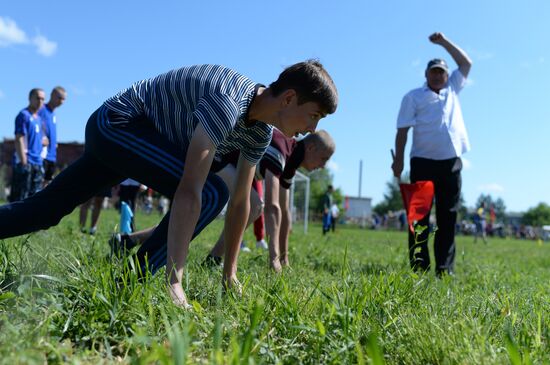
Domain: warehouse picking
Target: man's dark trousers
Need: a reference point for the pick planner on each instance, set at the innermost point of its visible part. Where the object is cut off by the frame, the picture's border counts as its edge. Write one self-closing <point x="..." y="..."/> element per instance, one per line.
<point x="445" y="174"/>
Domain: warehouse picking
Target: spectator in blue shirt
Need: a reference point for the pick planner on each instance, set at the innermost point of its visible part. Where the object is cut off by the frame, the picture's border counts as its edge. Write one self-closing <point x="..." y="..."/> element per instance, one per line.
<point x="49" y="124"/>
<point x="27" y="167"/>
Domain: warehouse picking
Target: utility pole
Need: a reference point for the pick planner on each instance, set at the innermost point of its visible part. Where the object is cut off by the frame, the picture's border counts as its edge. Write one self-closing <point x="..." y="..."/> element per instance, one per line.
<point x="360" y="175"/>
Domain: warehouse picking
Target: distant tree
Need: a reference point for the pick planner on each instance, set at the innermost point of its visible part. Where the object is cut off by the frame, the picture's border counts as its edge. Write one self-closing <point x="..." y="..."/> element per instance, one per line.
<point x="462" y="209"/>
<point x="537" y="216"/>
<point x="392" y="199"/>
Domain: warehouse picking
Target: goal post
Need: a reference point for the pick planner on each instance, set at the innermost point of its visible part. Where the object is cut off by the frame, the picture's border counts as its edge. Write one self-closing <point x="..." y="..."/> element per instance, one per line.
<point x="299" y="199"/>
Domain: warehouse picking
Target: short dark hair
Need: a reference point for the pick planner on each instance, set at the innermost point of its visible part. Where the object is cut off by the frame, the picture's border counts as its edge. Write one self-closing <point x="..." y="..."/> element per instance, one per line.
<point x="311" y="82"/>
<point x="59" y="89"/>
<point x="34" y="91"/>
<point x="320" y="140"/>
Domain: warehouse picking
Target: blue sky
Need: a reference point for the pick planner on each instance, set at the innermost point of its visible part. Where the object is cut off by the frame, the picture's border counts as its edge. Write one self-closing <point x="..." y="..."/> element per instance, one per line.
<point x="376" y="51"/>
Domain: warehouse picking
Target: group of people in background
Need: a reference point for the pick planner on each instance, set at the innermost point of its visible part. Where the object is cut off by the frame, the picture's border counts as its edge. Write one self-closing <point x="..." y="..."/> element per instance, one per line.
<point x="35" y="157"/>
<point x="127" y="193"/>
<point x="35" y="143"/>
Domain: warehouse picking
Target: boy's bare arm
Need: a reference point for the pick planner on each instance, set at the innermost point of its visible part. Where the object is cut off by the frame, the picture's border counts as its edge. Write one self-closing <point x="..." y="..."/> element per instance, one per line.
<point x="286" y="223"/>
<point x="186" y="207"/>
<point x="236" y="218"/>
<point x="273" y="216"/>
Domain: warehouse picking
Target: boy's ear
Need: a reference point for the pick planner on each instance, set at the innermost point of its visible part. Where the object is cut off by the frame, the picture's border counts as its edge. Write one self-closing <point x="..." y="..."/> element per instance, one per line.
<point x="288" y="96"/>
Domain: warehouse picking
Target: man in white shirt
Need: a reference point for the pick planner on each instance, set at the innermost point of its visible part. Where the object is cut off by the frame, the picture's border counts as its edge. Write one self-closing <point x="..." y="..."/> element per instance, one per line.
<point x="439" y="139"/>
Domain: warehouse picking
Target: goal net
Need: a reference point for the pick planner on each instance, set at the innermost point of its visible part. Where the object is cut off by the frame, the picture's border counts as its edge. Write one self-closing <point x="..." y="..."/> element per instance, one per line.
<point x="299" y="201"/>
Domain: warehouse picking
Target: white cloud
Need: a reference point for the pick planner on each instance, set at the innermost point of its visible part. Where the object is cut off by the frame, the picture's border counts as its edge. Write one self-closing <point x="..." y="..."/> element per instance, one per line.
<point x="333" y="166"/>
<point x="528" y="64"/>
<point x="484" y="55"/>
<point x="10" y="33"/>
<point x="77" y="90"/>
<point x="44" y="46"/>
<point x="466" y="164"/>
<point x="525" y="64"/>
<point x="415" y="63"/>
<point x="491" y="188"/>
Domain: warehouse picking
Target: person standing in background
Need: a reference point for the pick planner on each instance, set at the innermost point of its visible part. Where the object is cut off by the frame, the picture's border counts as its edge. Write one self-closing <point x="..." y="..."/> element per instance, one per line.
<point x="439" y="139"/>
<point x="327" y="204"/>
<point x="27" y="174"/>
<point x="335" y="212"/>
<point x="481" y="224"/>
<point x="49" y="127"/>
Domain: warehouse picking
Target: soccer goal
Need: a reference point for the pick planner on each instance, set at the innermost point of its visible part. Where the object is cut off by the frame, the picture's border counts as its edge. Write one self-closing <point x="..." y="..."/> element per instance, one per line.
<point x="299" y="200"/>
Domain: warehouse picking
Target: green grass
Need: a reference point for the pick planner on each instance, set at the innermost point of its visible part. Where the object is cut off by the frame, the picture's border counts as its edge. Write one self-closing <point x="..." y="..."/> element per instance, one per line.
<point x="350" y="298"/>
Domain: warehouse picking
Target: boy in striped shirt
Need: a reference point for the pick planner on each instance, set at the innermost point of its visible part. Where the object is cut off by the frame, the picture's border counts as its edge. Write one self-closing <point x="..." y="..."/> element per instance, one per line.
<point x="277" y="168"/>
<point x="164" y="132"/>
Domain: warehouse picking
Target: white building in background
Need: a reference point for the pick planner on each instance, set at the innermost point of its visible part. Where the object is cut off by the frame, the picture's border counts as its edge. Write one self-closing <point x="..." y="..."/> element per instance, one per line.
<point x="357" y="209"/>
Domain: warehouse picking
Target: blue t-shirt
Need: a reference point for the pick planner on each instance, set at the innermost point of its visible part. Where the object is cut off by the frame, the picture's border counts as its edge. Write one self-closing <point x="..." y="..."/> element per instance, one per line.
<point x="31" y="128"/>
<point x="49" y="128"/>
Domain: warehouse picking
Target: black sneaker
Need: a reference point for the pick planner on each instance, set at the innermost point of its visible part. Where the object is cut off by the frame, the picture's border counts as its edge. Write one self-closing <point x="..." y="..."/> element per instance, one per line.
<point x="120" y="244"/>
<point x="441" y="272"/>
<point x="420" y="266"/>
<point x="212" y="261"/>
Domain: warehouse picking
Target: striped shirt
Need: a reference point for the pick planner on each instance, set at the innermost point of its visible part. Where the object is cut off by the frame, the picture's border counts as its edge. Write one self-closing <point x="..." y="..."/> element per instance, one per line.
<point x="282" y="158"/>
<point x="213" y="95"/>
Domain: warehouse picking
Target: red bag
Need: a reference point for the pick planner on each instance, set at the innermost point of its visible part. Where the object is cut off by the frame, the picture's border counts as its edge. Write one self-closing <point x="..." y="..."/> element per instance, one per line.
<point x="418" y="199"/>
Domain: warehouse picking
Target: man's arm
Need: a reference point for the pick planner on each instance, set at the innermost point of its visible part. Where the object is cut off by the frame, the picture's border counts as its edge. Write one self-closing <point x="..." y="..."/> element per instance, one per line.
<point x="398" y="158"/>
<point x="286" y="223"/>
<point x="186" y="207"/>
<point x="20" y="148"/>
<point x="459" y="56"/>
<point x="273" y="216"/>
<point x="236" y="218"/>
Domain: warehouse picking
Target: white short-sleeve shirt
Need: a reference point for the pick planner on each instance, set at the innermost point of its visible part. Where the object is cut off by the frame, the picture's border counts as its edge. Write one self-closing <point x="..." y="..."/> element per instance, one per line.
<point x="438" y="127"/>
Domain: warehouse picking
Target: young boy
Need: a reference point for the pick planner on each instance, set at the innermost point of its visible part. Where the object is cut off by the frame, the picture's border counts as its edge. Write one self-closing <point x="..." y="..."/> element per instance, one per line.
<point x="278" y="167"/>
<point x="164" y="132"/>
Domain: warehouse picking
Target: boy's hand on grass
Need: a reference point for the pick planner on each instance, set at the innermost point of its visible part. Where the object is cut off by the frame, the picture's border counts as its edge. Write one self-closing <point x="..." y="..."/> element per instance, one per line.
<point x="232" y="284"/>
<point x="285" y="263"/>
<point x="276" y="265"/>
<point x="178" y="295"/>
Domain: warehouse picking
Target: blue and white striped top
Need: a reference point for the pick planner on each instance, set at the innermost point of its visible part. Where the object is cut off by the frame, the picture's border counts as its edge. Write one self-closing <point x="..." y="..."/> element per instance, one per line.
<point x="213" y="95"/>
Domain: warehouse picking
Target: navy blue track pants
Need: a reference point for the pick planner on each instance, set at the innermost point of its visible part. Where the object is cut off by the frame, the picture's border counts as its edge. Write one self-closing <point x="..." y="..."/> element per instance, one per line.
<point x="114" y="150"/>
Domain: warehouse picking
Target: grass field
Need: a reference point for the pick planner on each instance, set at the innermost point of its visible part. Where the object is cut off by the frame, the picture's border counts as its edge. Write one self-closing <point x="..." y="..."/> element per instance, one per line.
<point x="349" y="298"/>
